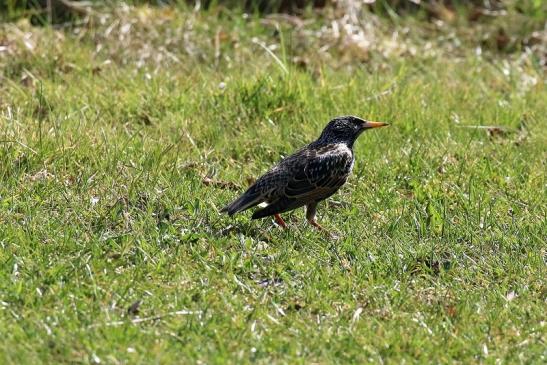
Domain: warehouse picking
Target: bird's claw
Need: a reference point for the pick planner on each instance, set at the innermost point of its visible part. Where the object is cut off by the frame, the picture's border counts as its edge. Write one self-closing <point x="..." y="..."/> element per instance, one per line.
<point x="324" y="231"/>
<point x="333" y="236"/>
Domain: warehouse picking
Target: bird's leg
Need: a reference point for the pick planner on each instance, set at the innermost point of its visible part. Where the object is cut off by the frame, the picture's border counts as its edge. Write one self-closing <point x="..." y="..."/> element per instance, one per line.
<point x="310" y="216"/>
<point x="280" y="221"/>
<point x="311" y="209"/>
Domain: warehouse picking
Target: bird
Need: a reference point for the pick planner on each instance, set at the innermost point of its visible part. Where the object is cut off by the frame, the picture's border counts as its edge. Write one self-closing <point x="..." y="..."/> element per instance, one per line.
<point x="307" y="177"/>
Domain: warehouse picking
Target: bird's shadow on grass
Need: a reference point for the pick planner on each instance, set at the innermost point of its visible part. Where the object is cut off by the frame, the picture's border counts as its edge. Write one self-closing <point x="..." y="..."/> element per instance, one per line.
<point x="267" y="230"/>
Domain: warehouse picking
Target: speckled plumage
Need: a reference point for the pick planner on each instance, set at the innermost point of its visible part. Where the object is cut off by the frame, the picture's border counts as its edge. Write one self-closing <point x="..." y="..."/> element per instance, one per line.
<point x="308" y="176"/>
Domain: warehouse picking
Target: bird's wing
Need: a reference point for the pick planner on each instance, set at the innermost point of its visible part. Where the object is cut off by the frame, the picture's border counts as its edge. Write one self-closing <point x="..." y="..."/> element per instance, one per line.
<point x="318" y="173"/>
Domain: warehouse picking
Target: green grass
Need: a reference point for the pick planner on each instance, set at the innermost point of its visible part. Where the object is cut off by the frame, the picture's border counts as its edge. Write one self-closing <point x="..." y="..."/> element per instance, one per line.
<point x="108" y="132"/>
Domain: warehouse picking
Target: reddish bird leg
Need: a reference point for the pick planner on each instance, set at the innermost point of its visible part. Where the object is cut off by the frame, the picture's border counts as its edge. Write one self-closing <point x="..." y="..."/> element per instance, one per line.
<point x="280" y="221"/>
<point x="310" y="216"/>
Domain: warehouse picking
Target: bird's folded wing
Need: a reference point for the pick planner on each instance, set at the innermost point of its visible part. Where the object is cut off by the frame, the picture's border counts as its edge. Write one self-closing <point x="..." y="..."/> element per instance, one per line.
<point x="318" y="175"/>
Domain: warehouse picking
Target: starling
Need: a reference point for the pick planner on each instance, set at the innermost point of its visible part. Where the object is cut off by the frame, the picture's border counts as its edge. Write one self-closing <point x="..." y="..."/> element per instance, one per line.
<point x="308" y="176"/>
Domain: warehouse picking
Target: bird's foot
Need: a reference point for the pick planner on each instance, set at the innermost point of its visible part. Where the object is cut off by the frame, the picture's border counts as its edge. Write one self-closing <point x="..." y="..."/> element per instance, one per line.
<point x="316" y="225"/>
<point x="280" y="221"/>
<point x="323" y="230"/>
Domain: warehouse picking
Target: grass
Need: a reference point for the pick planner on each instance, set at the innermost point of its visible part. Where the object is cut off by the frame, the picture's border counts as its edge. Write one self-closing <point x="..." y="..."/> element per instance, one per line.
<point x="120" y="142"/>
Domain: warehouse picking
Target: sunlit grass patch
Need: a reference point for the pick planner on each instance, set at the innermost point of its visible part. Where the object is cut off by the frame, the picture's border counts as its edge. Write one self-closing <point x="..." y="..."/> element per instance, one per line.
<point x="121" y="139"/>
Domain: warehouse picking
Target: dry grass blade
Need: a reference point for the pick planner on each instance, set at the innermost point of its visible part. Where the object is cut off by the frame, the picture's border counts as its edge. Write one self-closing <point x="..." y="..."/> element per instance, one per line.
<point x="276" y="59"/>
<point x="182" y="312"/>
<point x="492" y="130"/>
<point x="220" y="184"/>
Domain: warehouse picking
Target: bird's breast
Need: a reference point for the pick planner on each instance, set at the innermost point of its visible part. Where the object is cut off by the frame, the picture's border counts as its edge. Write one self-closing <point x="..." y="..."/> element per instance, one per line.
<point x="337" y="156"/>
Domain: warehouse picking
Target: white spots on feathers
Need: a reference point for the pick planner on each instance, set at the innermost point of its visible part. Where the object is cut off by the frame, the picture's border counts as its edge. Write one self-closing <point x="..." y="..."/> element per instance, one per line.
<point x="336" y="156"/>
<point x="338" y="149"/>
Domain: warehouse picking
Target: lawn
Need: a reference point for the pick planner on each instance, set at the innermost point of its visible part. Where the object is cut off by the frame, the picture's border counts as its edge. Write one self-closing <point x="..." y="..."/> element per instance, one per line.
<point x="123" y="133"/>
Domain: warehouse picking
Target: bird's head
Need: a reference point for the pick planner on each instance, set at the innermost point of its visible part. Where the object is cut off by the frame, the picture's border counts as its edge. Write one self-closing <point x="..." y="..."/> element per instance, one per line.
<point x="346" y="129"/>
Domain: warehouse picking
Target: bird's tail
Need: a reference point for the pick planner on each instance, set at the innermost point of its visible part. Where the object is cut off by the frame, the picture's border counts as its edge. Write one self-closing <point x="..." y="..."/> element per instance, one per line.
<point x="249" y="199"/>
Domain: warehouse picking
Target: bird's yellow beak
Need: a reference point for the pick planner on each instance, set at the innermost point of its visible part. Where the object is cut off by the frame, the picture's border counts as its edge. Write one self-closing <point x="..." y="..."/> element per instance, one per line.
<point x="368" y="124"/>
